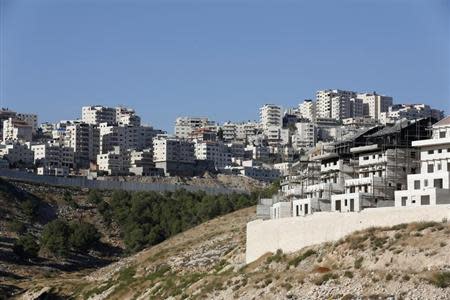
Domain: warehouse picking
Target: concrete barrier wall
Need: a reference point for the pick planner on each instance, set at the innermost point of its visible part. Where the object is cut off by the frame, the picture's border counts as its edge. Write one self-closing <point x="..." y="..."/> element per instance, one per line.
<point x="292" y="234"/>
<point x="83" y="182"/>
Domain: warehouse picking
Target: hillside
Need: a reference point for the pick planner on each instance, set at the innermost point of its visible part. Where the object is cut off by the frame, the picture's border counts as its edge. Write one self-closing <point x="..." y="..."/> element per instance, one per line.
<point x="410" y="261"/>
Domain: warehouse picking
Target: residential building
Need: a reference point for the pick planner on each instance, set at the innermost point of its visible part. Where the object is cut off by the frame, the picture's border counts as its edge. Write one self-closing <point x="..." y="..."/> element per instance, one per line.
<point x="30" y="119"/>
<point x="174" y="155"/>
<point x="307" y="110"/>
<point x="53" y="156"/>
<point x="374" y="104"/>
<point x="409" y="112"/>
<point x="333" y="103"/>
<point x="432" y="185"/>
<point x="84" y="139"/>
<point x="17" y="155"/>
<point x="114" y="162"/>
<point x="141" y="163"/>
<point x="184" y="126"/>
<point x="214" y="151"/>
<point x="97" y="114"/>
<point x="271" y="117"/>
<point x="305" y="136"/>
<point x="16" y="130"/>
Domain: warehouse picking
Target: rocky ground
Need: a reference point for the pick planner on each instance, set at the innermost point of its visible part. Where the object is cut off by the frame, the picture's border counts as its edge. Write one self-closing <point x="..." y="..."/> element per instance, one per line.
<point x="208" y="180"/>
<point x="207" y="262"/>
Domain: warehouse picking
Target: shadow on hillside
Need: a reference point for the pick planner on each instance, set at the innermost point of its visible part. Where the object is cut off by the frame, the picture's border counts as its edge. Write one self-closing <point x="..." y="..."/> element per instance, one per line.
<point x="7" y="291"/>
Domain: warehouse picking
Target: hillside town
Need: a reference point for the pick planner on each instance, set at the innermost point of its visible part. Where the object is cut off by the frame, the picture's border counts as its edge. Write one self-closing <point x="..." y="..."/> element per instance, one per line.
<point x="342" y="142"/>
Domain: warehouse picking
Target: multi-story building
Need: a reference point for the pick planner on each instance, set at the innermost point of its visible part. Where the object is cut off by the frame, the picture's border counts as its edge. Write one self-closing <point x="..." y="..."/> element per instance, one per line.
<point x="175" y="156"/>
<point x="53" y="156"/>
<point x="307" y="110"/>
<point x="184" y="126"/>
<point x="409" y="112"/>
<point x="305" y="136"/>
<point x="271" y="117"/>
<point x="126" y="137"/>
<point x="141" y="163"/>
<point x="30" y="119"/>
<point x="432" y="185"/>
<point x="84" y="139"/>
<point x="356" y="108"/>
<point x="15" y="130"/>
<point x="338" y="108"/>
<point x="97" y="114"/>
<point x="114" y="162"/>
<point x="17" y="154"/>
<point x="214" y="151"/>
<point x="374" y="104"/>
<point x="127" y="117"/>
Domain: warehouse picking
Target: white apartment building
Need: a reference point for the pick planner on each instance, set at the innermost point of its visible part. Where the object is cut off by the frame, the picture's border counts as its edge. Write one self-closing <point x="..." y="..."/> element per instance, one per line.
<point x="257" y="152"/>
<point x="15" y="130"/>
<point x="341" y="107"/>
<point x="83" y="138"/>
<point x="127" y="117"/>
<point x="271" y="117"/>
<point x="410" y="112"/>
<point x="53" y="156"/>
<point x="305" y="136"/>
<point x="114" y="162"/>
<point x="17" y="154"/>
<point x="30" y="119"/>
<point x="307" y="110"/>
<point x="374" y="104"/>
<point x="126" y="137"/>
<point x="184" y="126"/>
<point x="141" y="163"/>
<point x="98" y="114"/>
<point x="214" y="151"/>
<point x="237" y="150"/>
<point x="432" y="185"/>
<point x="174" y="155"/>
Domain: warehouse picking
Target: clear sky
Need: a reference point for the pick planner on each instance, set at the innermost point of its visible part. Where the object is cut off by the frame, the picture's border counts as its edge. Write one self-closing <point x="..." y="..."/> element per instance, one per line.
<point x="217" y="58"/>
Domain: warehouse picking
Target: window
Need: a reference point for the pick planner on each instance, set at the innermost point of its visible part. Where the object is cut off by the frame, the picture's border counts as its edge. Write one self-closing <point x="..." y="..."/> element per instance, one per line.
<point x="430" y="168"/>
<point x="404" y="201"/>
<point x="425" y="182"/>
<point x="430" y="151"/>
<point x="425" y="200"/>
<point x="345" y="202"/>
<point x="366" y="158"/>
<point x="442" y="134"/>
<point x="440" y="151"/>
<point x="417" y="184"/>
<point x="438" y="183"/>
<point x="439" y="167"/>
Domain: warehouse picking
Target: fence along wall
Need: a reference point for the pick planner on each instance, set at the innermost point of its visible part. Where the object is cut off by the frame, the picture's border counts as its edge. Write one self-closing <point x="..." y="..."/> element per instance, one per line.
<point x="83" y="182"/>
<point x="292" y="234"/>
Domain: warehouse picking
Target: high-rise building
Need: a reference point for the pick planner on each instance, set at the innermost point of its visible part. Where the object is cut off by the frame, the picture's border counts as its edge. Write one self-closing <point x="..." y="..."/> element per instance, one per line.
<point x="184" y="126"/>
<point x="271" y="117"/>
<point x="338" y="108"/>
<point x="374" y="104"/>
<point x="307" y="110"/>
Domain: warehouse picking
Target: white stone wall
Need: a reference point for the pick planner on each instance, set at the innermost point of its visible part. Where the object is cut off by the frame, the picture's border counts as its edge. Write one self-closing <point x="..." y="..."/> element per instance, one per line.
<point x="292" y="234"/>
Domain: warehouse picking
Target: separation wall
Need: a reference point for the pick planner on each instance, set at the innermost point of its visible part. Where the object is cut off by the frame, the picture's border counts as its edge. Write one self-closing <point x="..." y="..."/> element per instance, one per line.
<point x="294" y="233"/>
<point x="83" y="182"/>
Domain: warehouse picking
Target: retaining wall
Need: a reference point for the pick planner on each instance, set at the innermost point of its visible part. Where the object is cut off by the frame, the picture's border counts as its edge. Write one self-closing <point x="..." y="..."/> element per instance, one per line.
<point x="292" y="234"/>
<point x="83" y="182"/>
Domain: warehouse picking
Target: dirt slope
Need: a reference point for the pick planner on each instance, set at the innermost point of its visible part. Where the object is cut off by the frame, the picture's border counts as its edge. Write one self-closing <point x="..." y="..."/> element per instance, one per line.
<point x="207" y="262"/>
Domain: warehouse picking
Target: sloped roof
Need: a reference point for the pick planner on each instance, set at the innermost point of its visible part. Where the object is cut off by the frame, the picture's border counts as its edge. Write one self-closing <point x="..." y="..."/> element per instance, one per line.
<point x="444" y="121"/>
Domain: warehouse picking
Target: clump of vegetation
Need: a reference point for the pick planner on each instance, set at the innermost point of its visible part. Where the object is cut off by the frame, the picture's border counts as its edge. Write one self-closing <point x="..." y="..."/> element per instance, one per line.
<point x="358" y="262"/>
<point x="69" y="200"/>
<point x="424" y="225"/>
<point x="148" y="218"/>
<point x="440" y="279"/>
<point x="59" y="237"/>
<point x="94" y="197"/>
<point x="26" y="247"/>
<point x="277" y="257"/>
<point x="296" y="261"/>
<point x="348" y="274"/>
<point x="389" y="277"/>
<point x="325" y="277"/>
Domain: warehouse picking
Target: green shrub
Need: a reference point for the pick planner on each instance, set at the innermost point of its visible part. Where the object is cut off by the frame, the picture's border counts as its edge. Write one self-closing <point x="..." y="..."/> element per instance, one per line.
<point x="26" y="246"/>
<point x="55" y="237"/>
<point x="83" y="236"/>
<point x="94" y="197"/>
<point x="348" y="274"/>
<point x="389" y="277"/>
<point x="441" y="279"/>
<point x="296" y="261"/>
<point x="325" y="277"/>
<point x="30" y="208"/>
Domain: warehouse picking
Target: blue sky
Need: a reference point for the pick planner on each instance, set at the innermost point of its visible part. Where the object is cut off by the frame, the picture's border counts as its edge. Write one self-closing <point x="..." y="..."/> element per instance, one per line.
<point x="217" y="58"/>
